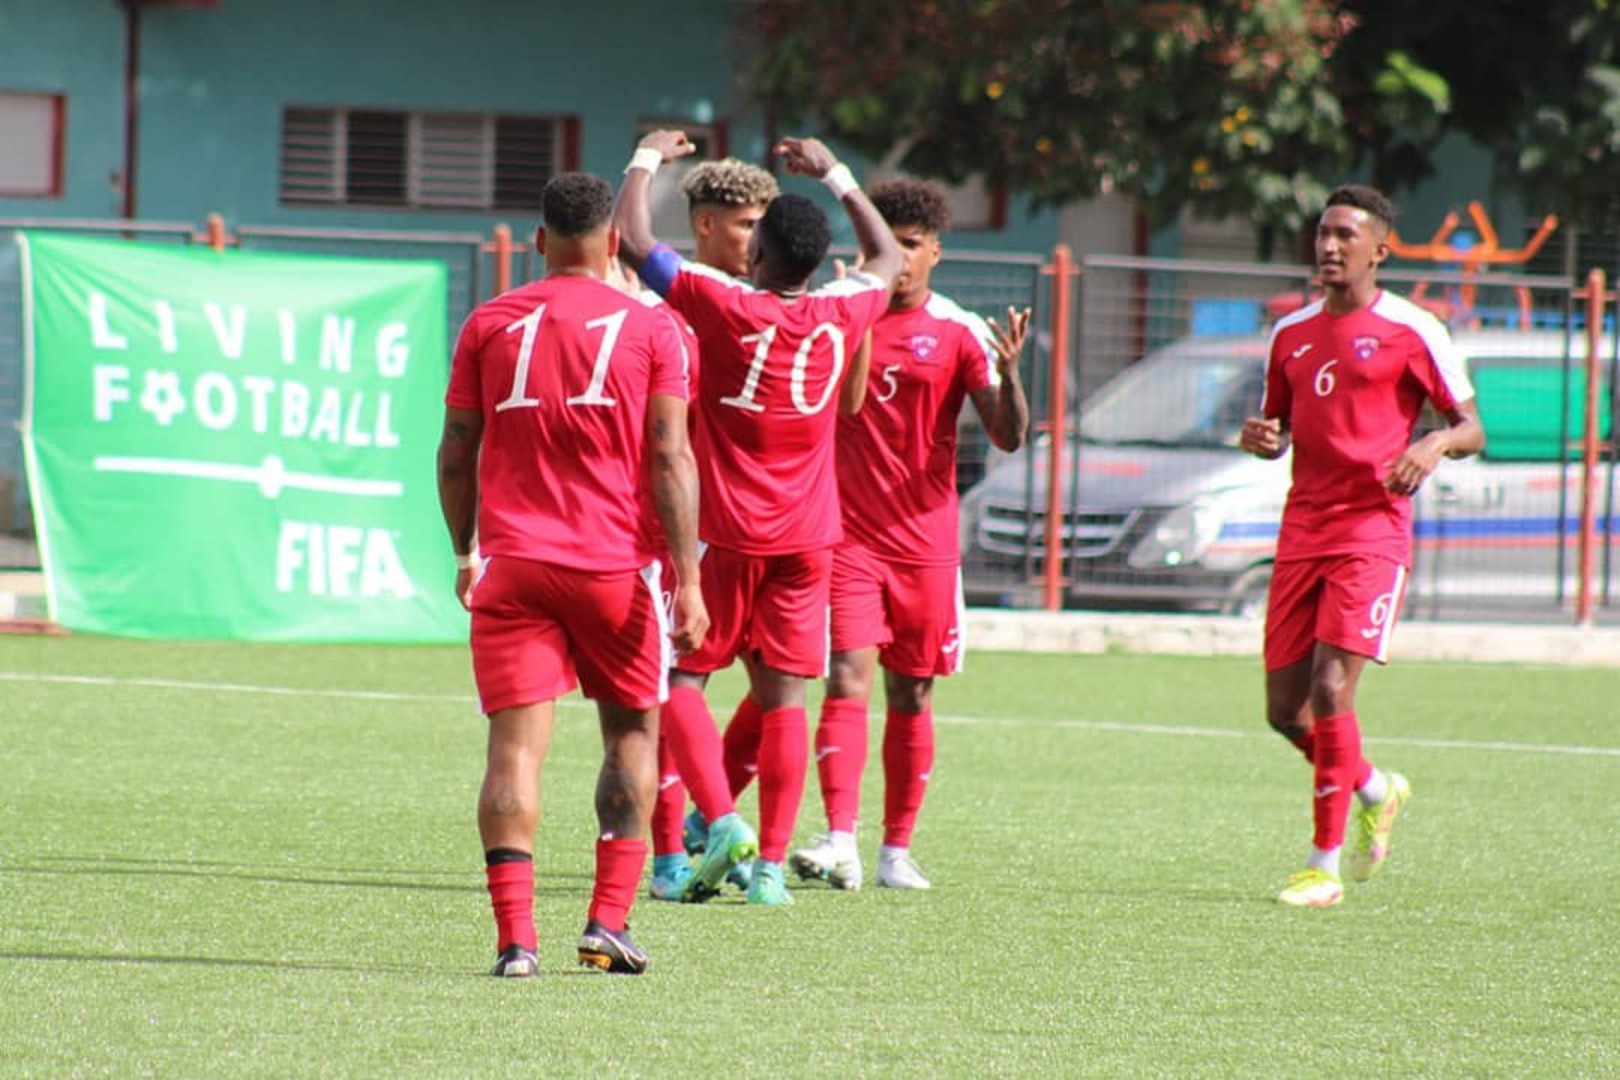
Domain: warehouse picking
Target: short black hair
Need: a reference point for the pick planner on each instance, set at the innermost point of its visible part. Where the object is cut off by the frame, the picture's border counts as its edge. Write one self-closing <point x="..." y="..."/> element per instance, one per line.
<point x="574" y="204"/>
<point x="794" y="234"/>
<point x="913" y="202"/>
<point x="1362" y="197"/>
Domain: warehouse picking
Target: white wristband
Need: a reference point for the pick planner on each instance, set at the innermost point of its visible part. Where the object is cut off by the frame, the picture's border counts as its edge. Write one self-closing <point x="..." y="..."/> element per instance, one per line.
<point x="468" y="561"/>
<point x="840" y="181"/>
<point x="646" y="158"/>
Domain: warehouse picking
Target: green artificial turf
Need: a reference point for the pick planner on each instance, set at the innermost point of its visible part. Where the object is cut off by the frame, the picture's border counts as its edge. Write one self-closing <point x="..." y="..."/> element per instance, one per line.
<point x="221" y="860"/>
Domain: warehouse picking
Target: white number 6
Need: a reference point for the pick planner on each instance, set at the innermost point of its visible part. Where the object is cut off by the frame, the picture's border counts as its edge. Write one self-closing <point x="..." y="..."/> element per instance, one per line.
<point x="1324" y="379"/>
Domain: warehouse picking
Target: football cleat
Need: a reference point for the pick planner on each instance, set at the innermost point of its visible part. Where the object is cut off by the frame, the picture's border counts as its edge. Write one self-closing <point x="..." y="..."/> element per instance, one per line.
<point x="670" y="875"/>
<point x="1373" y="824"/>
<point x="768" y="887"/>
<point x="825" y="861"/>
<point x="516" y="962"/>
<point x="741" y="875"/>
<point x="899" y="871"/>
<point x="730" y="842"/>
<point x="611" y="951"/>
<point x="1312" y="888"/>
<point x="694" y="833"/>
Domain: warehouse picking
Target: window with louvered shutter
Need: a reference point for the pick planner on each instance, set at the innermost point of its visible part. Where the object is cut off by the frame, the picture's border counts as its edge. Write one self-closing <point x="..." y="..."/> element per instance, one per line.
<point x="430" y="160"/>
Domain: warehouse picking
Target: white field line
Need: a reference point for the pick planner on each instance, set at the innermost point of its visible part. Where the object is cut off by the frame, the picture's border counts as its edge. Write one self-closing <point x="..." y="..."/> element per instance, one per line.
<point x="1112" y="726"/>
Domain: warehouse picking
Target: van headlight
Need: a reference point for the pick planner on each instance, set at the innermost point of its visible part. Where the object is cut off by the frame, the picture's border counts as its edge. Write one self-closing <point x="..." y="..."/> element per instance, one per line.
<point x="1179" y="539"/>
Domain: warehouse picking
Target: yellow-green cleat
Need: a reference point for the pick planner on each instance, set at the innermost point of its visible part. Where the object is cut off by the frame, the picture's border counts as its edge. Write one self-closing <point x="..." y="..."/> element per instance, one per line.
<point x="1372" y="825"/>
<point x="1312" y="888"/>
<point x="767" y="886"/>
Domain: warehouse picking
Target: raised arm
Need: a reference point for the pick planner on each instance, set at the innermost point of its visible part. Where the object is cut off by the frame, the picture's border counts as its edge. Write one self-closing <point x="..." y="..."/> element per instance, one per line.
<point x="1004" y="410"/>
<point x="673" y="475"/>
<point x="880" y="252"/>
<point x="632" y="215"/>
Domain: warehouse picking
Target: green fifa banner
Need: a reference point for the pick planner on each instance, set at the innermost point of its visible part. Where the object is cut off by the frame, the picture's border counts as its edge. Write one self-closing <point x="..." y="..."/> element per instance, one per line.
<point x="236" y="445"/>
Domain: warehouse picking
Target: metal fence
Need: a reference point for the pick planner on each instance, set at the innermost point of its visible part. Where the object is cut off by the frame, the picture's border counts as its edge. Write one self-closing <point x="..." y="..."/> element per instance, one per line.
<point x="1160" y="510"/>
<point x="1138" y="372"/>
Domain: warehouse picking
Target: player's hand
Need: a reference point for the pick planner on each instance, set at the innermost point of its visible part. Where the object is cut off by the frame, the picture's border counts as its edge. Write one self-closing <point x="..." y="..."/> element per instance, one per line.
<point x="806" y="157"/>
<point x="671" y="144"/>
<point x="841" y="269"/>
<point x="1009" y="341"/>
<point x="1262" y="437"/>
<point x="1407" y="472"/>
<point x="691" y="618"/>
<point x="465" y="580"/>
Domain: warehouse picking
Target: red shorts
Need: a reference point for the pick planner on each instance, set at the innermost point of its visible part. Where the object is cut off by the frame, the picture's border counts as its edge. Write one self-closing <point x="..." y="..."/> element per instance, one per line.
<point x="534" y="625"/>
<point x="912" y="613"/>
<point x="774" y="606"/>
<point x="1350" y="601"/>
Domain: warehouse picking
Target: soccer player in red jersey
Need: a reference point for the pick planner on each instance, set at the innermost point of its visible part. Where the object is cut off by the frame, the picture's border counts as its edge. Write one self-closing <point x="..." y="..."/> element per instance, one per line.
<point x="725" y="200"/>
<point x="779" y="362"/>
<point x="565" y="429"/>
<point x="896" y="583"/>
<point x="1346" y="380"/>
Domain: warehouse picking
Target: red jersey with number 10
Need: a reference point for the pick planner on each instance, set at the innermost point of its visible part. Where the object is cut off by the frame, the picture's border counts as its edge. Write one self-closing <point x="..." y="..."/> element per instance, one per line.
<point x="768" y="404"/>
<point x="897" y="456"/>
<point x="563" y="371"/>
<point x="1351" y="388"/>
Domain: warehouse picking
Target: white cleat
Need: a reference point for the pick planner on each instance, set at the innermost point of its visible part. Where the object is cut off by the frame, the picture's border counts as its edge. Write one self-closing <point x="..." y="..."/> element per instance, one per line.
<point x="824" y="861"/>
<point x="900" y="872"/>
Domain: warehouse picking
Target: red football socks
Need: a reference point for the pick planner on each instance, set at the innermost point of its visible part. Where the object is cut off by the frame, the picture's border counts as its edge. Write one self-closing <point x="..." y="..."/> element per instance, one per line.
<point x="693" y="739"/>
<point x="511" y="894"/>
<point x="783" y="754"/>
<point x="908" y="759"/>
<point x="841" y="760"/>
<point x="618" y="871"/>
<point x="1338" y="764"/>
<point x="670" y="804"/>
<point x="742" y="745"/>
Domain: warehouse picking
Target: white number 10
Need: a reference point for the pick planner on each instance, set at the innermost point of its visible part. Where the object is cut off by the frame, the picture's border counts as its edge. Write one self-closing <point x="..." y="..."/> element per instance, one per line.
<point x="801" y="368"/>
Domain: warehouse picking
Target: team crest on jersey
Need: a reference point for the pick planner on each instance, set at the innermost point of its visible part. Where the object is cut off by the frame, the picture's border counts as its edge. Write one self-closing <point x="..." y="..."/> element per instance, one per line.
<point x="1365" y="346"/>
<point x="923" y="345"/>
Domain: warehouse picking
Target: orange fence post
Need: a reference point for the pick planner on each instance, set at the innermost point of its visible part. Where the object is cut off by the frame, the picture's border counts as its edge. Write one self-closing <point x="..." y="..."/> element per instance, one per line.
<point x="502" y="250"/>
<point x="1057" y="426"/>
<point x="1586" y="558"/>
<point x="214" y="232"/>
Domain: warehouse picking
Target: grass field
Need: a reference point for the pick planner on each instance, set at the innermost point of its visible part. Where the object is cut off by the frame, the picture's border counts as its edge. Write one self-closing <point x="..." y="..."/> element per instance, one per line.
<point x="261" y="861"/>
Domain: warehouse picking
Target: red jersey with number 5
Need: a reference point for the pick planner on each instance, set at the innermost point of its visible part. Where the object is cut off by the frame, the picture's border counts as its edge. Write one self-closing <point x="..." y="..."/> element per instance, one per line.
<point x="897" y="456"/>
<point x="768" y="404"/>
<point x="563" y="371"/>
<point x="1350" y="389"/>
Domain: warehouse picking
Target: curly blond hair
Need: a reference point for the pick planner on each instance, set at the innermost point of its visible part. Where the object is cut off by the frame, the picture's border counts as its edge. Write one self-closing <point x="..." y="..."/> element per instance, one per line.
<point x="728" y="182"/>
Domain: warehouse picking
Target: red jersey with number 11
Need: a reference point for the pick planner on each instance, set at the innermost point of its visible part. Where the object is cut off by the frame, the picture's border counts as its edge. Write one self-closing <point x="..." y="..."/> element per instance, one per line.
<point x="1351" y="388"/>
<point x="563" y="370"/>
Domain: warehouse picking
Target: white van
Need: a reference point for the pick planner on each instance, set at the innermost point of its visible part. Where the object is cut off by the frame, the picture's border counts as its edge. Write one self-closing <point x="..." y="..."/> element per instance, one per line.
<point x="1163" y="510"/>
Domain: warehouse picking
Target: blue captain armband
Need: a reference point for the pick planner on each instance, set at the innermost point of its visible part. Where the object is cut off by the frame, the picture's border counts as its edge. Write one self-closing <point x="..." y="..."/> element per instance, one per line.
<point x="658" y="272"/>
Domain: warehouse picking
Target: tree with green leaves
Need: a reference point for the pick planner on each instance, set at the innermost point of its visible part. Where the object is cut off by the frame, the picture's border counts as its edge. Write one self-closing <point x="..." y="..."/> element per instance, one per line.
<point x="1230" y="107"/>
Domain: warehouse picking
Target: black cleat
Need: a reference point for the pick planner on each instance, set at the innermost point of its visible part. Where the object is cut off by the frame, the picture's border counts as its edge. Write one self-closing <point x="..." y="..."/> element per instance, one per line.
<point x="611" y="951"/>
<point x="516" y="962"/>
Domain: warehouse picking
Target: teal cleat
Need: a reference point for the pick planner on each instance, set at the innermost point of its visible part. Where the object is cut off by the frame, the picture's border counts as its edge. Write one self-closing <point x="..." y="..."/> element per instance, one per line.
<point x="670" y="875"/>
<point x="741" y="875"/>
<point x="695" y="833"/>
<point x="731" y="841"/>
<point x="768" y="887"/>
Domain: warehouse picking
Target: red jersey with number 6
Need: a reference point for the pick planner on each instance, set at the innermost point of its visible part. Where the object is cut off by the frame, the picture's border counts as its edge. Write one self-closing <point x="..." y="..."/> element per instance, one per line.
<point x="563" y="370"/>
<point x="897" y="456"/>
<point x="768" y="404"/>
<point x="1350" y="388"/>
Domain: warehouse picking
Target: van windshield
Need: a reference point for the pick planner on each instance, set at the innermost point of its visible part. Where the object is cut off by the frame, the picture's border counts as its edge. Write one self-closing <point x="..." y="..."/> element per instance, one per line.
<point x="1175" y="401"/>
